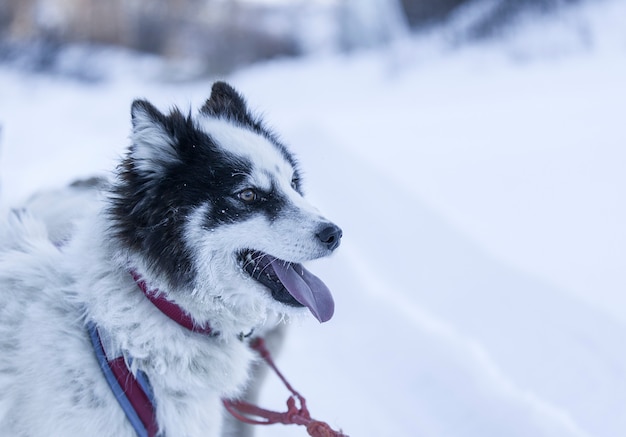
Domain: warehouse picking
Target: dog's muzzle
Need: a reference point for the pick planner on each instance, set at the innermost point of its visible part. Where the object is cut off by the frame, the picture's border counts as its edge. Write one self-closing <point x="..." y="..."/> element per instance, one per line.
<point x="289" y="283"/>
<point x="330" y="236"/>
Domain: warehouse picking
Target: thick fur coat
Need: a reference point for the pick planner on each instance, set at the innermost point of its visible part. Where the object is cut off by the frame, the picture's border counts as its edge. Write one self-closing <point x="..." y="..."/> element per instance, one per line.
<point x="199" y="204"/>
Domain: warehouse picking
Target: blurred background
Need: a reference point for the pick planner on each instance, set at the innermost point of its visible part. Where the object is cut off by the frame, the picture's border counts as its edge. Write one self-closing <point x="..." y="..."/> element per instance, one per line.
<point x="473" y="151"/>
<point x="217" y="36"/>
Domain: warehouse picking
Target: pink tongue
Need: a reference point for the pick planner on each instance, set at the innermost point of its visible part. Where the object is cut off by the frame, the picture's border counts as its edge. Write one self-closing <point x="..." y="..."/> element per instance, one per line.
<point x="306" y="288"/>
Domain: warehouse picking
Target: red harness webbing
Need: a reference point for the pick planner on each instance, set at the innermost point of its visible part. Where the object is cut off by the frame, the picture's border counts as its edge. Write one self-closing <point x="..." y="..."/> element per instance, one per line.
<point x="134" y="394"/>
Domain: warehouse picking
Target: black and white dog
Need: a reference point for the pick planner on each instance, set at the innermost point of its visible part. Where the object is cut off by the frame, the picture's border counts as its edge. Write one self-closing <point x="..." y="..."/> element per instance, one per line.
<point x="196" y="242"/>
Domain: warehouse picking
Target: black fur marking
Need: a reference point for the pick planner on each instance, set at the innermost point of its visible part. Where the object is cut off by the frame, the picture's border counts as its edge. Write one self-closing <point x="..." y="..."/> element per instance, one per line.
<point x="149" y="210"/>
<point x="226" y="102"/>
<point x="231" y="209"/>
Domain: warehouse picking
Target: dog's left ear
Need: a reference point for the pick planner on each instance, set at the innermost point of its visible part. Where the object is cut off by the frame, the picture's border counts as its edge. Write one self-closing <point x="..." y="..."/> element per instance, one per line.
<point x="153" y="147"/>
<point x="226" y="102"/>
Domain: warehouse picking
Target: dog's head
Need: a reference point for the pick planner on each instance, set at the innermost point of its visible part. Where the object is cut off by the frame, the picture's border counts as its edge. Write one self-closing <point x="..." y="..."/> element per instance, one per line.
<point x="213" y="204"/>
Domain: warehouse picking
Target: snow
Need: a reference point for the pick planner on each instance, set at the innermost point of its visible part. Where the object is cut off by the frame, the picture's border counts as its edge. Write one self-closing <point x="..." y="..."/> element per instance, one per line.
<point x="480" y="285"/>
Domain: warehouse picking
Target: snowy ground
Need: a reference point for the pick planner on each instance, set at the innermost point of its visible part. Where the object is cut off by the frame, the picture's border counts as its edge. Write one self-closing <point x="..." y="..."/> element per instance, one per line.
<point x="480" y="288"/>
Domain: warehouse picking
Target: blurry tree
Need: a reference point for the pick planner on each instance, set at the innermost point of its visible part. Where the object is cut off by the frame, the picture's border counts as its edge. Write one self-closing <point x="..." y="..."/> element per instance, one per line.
<point x="497" y="14"/>
<point x="370" y="23"/>
<point x="421" y="13"/>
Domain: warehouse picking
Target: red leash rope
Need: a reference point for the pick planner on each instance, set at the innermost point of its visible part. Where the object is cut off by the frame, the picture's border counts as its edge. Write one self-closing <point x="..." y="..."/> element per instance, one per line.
<point x="293" y="416"/>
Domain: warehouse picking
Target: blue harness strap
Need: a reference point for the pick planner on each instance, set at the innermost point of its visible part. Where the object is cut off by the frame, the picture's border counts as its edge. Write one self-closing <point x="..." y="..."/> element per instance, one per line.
<point x="134" y="394"/>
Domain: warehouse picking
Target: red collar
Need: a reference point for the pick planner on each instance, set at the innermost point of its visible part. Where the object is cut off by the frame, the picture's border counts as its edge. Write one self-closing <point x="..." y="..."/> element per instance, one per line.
<point x="169" y="308"/>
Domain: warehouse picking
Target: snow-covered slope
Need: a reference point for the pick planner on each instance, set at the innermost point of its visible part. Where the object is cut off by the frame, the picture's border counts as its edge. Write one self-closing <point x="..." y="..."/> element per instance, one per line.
<point x="480" y="287"/>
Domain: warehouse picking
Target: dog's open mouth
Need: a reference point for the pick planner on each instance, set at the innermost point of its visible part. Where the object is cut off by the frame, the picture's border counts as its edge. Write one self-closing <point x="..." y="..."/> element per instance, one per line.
<point x="289" y="283"/>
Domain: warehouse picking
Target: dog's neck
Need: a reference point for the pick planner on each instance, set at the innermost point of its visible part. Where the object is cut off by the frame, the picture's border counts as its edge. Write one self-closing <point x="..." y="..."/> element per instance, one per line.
<point x="170" y="309"/>
<point x="116" y="303"/>
<point x="198" y="311"/>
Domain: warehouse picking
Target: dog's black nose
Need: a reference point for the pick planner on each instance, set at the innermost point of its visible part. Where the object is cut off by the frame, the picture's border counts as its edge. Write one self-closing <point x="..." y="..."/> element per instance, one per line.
<point x="330" y="235"/>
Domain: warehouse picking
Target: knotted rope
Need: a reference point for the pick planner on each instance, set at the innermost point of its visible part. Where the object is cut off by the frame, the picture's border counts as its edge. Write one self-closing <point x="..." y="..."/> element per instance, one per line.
<point x="293" y="416"/>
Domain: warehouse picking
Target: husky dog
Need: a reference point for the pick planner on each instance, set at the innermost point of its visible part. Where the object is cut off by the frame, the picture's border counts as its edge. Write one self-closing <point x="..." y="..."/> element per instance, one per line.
<point x="205" y="213"/>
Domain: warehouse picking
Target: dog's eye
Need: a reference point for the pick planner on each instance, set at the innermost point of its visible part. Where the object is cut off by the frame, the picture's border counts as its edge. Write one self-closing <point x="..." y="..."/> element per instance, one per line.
<point x="248" y="195"/>
<point x="294" y="183"/>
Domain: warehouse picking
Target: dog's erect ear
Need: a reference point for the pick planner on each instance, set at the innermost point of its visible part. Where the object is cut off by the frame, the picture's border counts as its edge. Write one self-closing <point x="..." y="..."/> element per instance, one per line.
<point x="153" y="147"/>
<point x="226" y="102"/>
